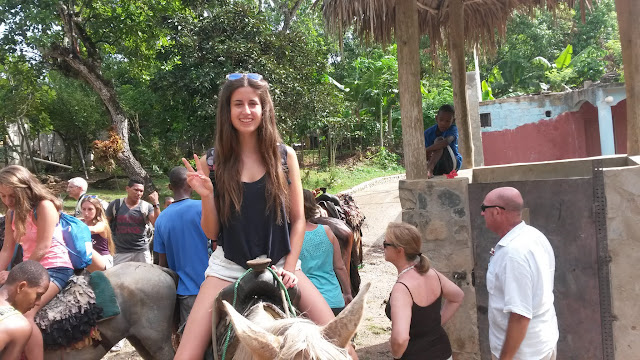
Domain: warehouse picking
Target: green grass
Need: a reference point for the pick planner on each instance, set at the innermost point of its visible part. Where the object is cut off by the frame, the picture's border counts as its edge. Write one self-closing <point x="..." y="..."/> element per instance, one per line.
<point x="342" y="178"/>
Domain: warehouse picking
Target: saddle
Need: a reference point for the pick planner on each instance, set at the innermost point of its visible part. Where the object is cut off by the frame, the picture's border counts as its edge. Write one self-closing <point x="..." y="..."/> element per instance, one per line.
<point x="69" y="320"/>
<point x="256" y="286"/>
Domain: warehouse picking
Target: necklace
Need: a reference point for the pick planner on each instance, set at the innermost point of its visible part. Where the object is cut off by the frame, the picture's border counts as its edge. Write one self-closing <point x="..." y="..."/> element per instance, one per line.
<point x="405" y="270"/>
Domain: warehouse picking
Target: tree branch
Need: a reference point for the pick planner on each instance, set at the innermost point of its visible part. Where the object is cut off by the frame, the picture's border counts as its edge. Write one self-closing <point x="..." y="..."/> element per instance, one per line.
<point x="289" y="14"/>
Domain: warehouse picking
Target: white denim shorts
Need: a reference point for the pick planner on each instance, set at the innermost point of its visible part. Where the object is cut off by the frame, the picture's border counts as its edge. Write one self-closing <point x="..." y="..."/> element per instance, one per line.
<point x="225" y="269"/>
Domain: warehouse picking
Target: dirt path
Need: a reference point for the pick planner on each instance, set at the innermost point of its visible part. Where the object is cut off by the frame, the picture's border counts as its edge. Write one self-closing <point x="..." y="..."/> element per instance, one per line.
<point x="381" y="205"/>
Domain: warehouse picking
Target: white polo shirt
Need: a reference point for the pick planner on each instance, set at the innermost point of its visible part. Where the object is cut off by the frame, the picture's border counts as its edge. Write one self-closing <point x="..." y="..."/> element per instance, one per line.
<point x="520" y="280"/>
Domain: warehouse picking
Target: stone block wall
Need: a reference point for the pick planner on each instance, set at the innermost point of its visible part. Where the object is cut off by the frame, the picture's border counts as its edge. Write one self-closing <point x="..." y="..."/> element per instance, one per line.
<point x="439" y="208"/>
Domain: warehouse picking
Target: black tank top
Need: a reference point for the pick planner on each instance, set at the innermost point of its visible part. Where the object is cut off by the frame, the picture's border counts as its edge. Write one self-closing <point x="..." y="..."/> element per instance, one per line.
<point x="427" y="338"/>
<point x="252" y="231"/>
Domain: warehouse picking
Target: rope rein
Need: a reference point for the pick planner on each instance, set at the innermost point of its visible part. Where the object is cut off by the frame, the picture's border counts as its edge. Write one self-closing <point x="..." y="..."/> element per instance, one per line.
<point x="288" y="304"/>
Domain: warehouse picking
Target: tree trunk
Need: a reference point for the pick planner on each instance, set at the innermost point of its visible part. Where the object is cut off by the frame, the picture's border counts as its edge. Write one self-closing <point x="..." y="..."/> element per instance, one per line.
<point x="628" y="13"/>
<point x="459" y="78"/>
<point x="381" y="126"/>
<point x="84" y="164"/>
<point x="408" y="37"/>
<point x="289" y="14"/>
<point x="390" y="124"/>
<point x="22" y="129"/>
<point x="12" y="146"/>
<point x="89" y="73"/>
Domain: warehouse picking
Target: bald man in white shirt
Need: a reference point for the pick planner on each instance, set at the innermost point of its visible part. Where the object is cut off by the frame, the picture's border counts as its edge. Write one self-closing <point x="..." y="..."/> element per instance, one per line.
<point x="522" y="317"/>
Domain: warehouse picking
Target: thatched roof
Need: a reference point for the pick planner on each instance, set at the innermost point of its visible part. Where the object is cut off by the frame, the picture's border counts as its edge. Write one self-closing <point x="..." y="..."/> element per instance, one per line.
<point x="375" y="19"/>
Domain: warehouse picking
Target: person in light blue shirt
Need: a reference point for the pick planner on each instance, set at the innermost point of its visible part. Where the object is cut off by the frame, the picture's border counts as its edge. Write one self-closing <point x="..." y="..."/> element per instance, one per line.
<point x="441" y="144"/>
<point x="180" y="241"/>
<point x="321" y="261"/>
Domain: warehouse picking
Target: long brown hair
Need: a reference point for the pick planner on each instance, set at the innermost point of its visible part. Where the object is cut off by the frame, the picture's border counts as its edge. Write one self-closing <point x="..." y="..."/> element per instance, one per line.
<point x="310" y="206"/>
<point x="28" y="192"/>
<point x="407" y="237"/>
<point x="228" y="158"/>
<point x="101" y="217"/>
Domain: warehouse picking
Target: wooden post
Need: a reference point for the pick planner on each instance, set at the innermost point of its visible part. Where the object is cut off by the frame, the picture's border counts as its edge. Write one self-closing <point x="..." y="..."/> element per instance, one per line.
<point x="628" y="13"/>
<point x="459" y="79"/>
<point x="407" y="35"/>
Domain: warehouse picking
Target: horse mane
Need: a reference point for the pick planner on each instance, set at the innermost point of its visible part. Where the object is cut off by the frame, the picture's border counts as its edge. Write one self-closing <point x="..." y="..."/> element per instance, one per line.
<point x="301" y="338"/>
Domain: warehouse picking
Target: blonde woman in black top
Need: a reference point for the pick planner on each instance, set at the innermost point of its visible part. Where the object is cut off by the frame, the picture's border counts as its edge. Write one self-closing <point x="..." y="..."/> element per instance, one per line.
<point x="415" y="305"/>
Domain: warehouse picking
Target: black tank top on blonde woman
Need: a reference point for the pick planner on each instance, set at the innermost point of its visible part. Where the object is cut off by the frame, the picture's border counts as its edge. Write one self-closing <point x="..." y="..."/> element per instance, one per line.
<point x="427" y="338"/>
<point x="252" y="231"/>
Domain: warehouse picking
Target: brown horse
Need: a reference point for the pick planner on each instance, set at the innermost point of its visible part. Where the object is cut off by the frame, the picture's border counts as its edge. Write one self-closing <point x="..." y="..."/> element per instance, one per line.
<point x="146" y="295"/>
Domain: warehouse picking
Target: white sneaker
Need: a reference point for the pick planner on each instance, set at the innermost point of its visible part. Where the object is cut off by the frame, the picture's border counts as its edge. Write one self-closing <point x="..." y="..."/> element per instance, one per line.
<point x="118" y="346"/>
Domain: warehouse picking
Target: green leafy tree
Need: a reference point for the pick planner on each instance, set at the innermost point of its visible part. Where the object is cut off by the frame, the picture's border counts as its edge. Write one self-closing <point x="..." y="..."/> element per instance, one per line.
<point x="23" y="96"/>
<point x="76" y="37"/>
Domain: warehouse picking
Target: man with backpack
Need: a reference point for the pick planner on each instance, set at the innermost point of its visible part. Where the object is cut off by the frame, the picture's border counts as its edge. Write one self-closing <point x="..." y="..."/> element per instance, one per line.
<point x="129" y="219"/>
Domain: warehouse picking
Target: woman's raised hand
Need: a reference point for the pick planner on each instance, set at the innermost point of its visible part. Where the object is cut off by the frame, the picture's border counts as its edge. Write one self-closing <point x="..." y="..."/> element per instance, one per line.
<point x="197" y="179"/>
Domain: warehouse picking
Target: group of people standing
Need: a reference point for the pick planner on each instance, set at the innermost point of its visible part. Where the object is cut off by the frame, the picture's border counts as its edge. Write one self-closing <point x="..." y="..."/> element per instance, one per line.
<point x="253" y="205"/>
<point x="522" y="318"/>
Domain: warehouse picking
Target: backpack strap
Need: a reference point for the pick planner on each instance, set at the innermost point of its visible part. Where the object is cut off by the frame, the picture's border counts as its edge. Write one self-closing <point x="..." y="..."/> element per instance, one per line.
<point x="211" y="163"/>
<point x="114" y="214"/>
<point x="145" y="211"/>
<point x="116" y="207"/>
<point x="283" y="158"/>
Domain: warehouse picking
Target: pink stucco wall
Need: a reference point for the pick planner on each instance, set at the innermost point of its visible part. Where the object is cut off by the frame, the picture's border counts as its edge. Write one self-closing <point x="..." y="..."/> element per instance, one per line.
<point x="569" y="135"/>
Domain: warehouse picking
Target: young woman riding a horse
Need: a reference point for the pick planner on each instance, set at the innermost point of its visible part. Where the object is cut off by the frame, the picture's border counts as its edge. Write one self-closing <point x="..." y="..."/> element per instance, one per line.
<point x="255" y="208"/>
<point x="34" y="211"/>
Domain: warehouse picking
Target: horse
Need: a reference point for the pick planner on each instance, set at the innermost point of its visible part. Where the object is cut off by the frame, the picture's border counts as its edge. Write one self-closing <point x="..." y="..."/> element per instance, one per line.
<point x="146" y="295"/>
<point x="263" y="336"/>
<point x="345" y="237"/>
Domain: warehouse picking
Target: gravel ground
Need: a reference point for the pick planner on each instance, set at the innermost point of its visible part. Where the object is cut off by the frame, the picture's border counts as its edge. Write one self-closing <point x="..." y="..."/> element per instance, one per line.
<point x="381" y="205"/>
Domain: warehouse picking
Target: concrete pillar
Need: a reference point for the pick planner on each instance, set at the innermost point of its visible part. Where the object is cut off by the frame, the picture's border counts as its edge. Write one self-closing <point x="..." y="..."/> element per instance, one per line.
<point x="605" y="124"/>
<point x="439" y="208"/>
<point x="628" y="14"/>
<point x="622" y="190"/>
<point x="474" y="116"/>
<point x="407" y="35"/>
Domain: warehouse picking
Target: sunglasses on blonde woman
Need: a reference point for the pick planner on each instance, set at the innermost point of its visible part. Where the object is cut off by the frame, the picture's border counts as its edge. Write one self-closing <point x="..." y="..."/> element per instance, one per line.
<point x="386" y="244"/>
<point x="252" y="76"/>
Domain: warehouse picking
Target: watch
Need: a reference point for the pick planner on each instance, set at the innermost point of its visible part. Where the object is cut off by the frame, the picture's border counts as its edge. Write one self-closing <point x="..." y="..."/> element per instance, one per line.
<point x="157" y="205"/>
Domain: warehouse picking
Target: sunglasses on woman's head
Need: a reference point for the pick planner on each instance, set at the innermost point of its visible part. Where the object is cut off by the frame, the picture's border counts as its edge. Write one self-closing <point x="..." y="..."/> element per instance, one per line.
<point x="252" y="76"/>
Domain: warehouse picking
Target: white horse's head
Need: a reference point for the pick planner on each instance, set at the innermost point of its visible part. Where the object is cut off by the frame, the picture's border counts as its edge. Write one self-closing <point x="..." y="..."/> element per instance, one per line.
<point x="262" y="337"/>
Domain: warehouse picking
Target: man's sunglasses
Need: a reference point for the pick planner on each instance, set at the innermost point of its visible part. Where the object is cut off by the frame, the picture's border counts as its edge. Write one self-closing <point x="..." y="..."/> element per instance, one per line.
<point x="385" y="244"/>
<point x="252" y="76"/>
<point x="485" y="207"/>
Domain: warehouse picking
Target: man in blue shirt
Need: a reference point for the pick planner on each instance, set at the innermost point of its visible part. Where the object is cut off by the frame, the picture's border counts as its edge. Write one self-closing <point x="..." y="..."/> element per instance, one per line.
<point x="441" y="144"/>
<point x="180" y="241"/>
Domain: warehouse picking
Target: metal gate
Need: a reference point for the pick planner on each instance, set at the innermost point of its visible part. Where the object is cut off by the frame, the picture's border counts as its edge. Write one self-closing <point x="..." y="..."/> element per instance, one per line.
<point x="565" y="210"/>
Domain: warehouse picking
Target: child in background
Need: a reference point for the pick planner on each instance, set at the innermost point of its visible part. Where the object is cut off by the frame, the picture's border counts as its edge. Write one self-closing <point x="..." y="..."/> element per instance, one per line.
<point x="441" y="144"/>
